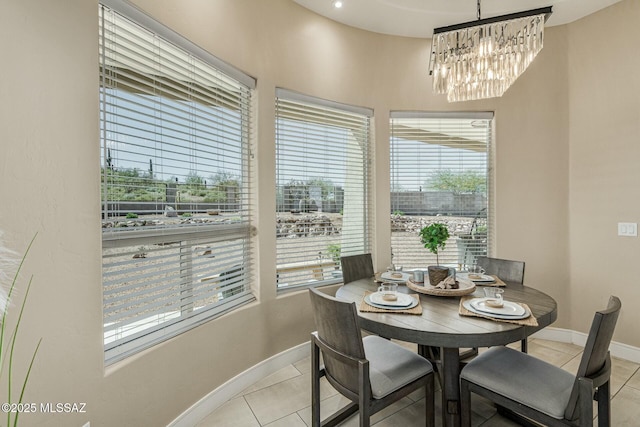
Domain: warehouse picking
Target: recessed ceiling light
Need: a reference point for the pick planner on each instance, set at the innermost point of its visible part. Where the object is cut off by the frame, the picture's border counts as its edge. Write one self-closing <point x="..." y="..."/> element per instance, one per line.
<point x="337" y="4"/>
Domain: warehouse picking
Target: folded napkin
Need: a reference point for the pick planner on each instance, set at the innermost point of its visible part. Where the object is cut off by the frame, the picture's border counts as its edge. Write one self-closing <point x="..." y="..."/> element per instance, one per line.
<point x="529" y="321"/>
<point x="366" y="308"/>
<point x="448" y="283"/>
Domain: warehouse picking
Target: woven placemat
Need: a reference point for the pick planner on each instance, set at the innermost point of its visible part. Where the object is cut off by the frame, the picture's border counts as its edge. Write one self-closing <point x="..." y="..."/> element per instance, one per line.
<point x="529" y="321"/>
<point x="378" y="278"/>
<point x="364" y="307"/>
<point x="497" y="283"/>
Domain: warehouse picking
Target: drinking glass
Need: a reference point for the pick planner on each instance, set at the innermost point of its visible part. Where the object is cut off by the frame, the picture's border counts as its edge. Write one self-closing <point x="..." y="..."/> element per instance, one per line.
<point x="389" y="291"/>
<point x="494" y="296"/>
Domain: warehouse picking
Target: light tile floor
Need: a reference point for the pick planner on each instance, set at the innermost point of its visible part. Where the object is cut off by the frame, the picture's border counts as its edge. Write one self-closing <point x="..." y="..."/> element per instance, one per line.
<point x="283" y="398"/>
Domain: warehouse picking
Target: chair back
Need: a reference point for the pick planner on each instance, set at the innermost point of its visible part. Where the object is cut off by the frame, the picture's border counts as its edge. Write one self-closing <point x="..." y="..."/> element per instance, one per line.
<point x="356" y="267"/>
<point x="596" y="349"/>
<point x="337" y="327"/>
<point x="510" y="271"/>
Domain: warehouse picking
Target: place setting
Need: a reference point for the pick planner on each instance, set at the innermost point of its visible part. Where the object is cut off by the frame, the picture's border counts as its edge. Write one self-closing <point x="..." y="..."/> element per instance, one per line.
<point x="388" y="299"/>
<point x="393" y="274"/>
<point x="478" y="276"/>
<point x="493" y="306"/>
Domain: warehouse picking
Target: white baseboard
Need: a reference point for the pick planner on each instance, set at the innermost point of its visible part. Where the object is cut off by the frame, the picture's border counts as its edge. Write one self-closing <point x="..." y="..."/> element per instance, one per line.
<point x="216" y="398"/>
<point x="620" y="350"/>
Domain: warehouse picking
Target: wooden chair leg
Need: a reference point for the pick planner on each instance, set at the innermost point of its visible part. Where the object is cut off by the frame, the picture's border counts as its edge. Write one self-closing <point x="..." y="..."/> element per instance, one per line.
<point x="604" y="405"/>
<point x="315" y="384"/>
<point x="364" y="395"/>
<point x="432" y="354"/>
<point x="585" y="401"/>
<point x="430" y="407"/>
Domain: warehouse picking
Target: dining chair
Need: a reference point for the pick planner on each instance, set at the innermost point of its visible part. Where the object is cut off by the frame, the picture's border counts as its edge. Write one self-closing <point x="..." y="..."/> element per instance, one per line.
<point x="505" y="269"/>
<point x="356" y="267"/>
<point x="542" y="392"/>
<point x="372" y="372"/>
<point x="508" y="270"/>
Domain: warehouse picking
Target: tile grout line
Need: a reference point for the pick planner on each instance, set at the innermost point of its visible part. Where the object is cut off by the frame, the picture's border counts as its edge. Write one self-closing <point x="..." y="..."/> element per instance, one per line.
<point x="625" y="383"/>
<point x="271" y="385"/>
<point x="251" y="409"/>
<point x="300" y="373"/>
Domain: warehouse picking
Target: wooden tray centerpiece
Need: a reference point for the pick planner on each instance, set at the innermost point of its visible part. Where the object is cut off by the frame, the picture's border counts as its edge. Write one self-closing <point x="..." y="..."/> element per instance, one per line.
<point x="465" y="287"/>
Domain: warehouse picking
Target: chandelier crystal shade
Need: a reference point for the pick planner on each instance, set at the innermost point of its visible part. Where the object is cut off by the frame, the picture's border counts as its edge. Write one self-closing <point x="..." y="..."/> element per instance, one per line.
<point x="481" y="59"/>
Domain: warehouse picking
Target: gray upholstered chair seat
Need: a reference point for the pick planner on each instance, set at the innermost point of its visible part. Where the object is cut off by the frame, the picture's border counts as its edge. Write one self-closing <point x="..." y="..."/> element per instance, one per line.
<point x="391" y="367"/>
<point x="524" y="386"/>
<point x="527" y="380"/>
<point x="371" y="372"/>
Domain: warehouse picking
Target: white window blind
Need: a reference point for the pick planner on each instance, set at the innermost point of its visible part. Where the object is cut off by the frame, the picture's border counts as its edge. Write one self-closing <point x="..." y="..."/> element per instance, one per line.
<point x="176" y="206"/>
<point x="440" y="172"/>
<point x="322" y="195"/>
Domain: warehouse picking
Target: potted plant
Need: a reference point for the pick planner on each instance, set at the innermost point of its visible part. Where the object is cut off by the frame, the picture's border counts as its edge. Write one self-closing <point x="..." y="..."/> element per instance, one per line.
<point x="472" y="244"/>
<point x="434" y="238"/>
<point x="334" y="250"/>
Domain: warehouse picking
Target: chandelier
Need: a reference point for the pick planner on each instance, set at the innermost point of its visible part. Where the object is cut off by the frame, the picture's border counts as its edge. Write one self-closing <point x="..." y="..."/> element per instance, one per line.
<point x="481" y="59"/>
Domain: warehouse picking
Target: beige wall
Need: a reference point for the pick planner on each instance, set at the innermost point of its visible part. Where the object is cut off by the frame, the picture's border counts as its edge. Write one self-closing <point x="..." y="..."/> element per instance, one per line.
<point x="604" y="141"/>
<point x="49" y="178"/>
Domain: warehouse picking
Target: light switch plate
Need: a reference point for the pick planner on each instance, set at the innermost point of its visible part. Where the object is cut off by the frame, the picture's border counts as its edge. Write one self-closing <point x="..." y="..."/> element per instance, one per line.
<point x="629" y="229"/>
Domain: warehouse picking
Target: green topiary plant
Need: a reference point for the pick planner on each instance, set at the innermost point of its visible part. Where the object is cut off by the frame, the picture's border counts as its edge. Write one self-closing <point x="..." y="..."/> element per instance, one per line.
<point x="334" y="250"/>
<point x="434" y="238"/>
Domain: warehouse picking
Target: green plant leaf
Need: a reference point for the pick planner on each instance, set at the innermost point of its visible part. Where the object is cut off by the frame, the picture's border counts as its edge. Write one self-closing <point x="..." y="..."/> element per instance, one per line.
<point x="434" y="238"/>
<point x="13" y="337"/>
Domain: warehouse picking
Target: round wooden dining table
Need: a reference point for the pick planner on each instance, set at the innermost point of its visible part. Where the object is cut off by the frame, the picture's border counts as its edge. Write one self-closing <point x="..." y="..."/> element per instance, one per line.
<point x="440" y="326"/>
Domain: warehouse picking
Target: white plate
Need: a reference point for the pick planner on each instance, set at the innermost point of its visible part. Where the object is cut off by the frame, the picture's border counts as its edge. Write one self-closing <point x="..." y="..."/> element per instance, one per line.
<point x="414" y="303"/>
<point x="508" y="309"/>
<point x="482" y="279"/>
<point x="387" y="275"/>
<point x="403" y="300"/>
<point x="468" y="306"/>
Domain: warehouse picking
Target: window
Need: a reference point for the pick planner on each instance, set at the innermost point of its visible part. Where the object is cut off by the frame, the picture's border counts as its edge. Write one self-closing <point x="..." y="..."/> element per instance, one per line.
<point x="440" y="172"/>
<point x="175" y="128"/>
<point x="322" y="194"/>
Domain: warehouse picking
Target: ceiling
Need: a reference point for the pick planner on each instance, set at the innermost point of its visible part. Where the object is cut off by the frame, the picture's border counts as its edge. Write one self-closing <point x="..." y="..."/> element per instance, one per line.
<point x="418" y="18"/>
